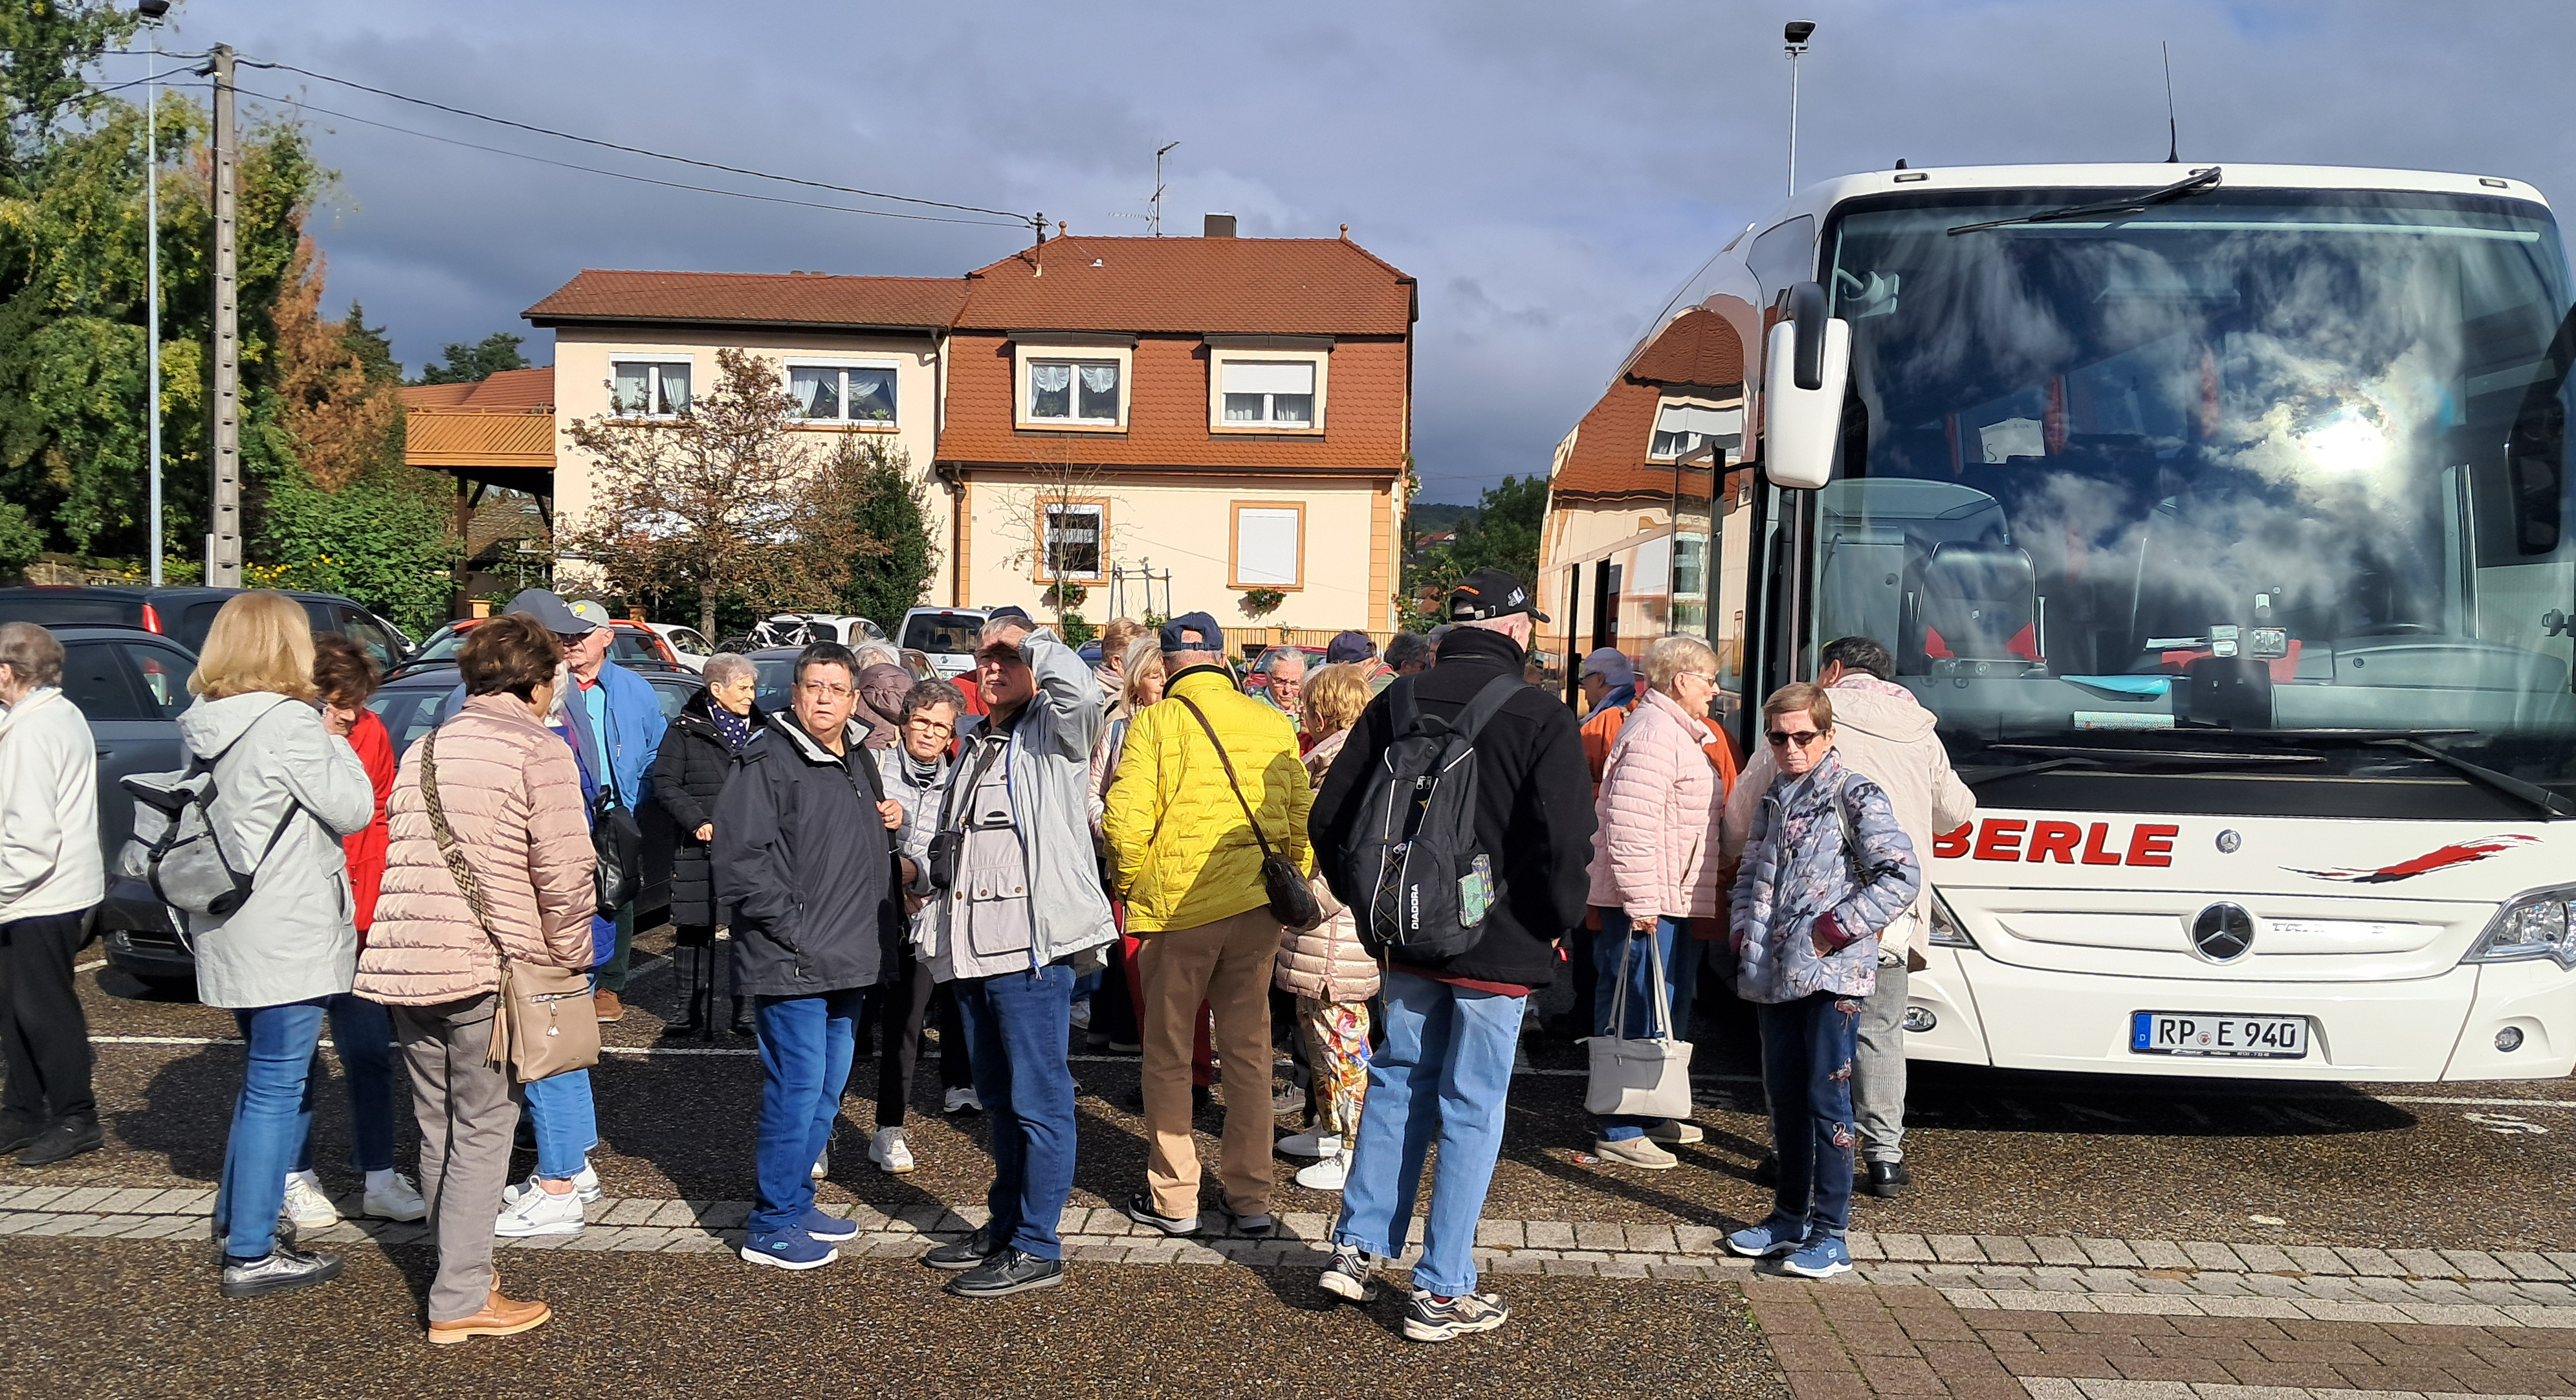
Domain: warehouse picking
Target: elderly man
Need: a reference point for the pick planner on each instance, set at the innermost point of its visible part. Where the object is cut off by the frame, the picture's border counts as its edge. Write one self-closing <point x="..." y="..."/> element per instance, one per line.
<point x="1284" y="675"/>
<point x="1355" y="649"/>
<point x="1019" y="915"/>
<point x="51" y="876"/>
<point x="1884" y="734"/>
<point x="803" y="859"/>
<point x="1408" y="654"/>
<point x="1198" y="769"/>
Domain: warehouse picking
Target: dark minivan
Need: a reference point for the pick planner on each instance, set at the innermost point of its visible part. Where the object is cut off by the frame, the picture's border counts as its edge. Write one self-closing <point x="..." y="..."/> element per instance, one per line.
<point x="184" y="614"/>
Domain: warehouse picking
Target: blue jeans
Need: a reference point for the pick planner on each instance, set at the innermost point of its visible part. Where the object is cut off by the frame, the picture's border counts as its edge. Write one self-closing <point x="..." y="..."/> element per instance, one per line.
<point x="1448" y="1056"/>
<point x="270" y="1121"/>
<point x="1807" y="1048"/>
<point x="1681" y="969"/>
<point x="1016" y="1027"/>
<point x="805" y="1048"/>
<point x="362" y="1031"/>
<point x="566" y="1122"/>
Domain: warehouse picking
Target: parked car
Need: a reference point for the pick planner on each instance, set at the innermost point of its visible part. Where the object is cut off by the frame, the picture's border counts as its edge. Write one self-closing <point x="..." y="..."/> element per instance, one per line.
<point x="184" y="614"/>
<point x="631" y="644"/>
<point x="409" y="703"/>
<point x="799" y="629"/>
<point x="773" y="685"/>
<point x="949" y="636"/>
<point x="688" y="646"/>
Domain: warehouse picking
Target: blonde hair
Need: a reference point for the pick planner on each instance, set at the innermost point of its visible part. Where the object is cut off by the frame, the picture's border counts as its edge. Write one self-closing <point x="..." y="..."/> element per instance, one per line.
<point x="260" y="642"/>
<point x="1333" y="698"/>
<point x="1668" y="657"/>
<point x="1798" y="697"/>
<point x="1143" y="654"/>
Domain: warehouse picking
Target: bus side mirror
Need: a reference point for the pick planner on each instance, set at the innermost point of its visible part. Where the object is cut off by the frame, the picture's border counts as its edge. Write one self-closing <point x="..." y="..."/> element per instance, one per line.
<point x="1804" y="373"/>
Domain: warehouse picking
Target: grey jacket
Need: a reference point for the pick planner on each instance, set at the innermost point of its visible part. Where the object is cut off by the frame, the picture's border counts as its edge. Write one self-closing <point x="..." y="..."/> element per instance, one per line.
<point x="920" y="808"/>
<point x="1050" y="768"/>
<point x="294" y="938"/>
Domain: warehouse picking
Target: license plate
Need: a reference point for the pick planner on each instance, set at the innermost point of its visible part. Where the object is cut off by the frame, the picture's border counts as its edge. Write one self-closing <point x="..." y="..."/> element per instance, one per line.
<point x="2217" y="1034"/>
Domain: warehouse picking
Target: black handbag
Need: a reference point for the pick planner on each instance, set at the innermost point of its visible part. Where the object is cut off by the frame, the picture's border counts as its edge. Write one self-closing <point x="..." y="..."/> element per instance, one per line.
<point x="619" y="845"/>
<point x="1292" y="900"/>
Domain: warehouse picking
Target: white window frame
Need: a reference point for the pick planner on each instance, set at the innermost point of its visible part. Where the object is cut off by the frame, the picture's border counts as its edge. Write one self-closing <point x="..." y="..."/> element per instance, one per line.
<point x="1074" y="365"/>
<point x="653" y="383"/>
<point x="1654" y="429"/>
<point x="1234" y="545"/>
<point x="794" y="363"/>
<point x="1047" y="511"/>
<point x="1221" y="356"/>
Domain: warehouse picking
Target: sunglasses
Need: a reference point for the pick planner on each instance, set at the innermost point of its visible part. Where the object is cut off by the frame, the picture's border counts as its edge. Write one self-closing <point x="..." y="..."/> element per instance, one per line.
<point x="1803" y="738"/>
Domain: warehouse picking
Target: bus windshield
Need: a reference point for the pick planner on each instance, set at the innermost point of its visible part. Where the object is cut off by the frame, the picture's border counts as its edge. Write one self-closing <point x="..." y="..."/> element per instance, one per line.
<point x="2276" y="462"/>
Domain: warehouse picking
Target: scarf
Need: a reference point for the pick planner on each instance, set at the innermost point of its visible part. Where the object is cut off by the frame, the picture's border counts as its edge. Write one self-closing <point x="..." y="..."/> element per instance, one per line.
<point x="734" y="729"/>
<point x="920" y="773"/>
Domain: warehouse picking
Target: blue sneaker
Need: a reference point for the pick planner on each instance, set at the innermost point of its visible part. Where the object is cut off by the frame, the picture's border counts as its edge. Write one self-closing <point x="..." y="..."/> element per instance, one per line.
<point x="788" y="1249"/>
<point x="824" y="1226"/>
<point x="1821" y="1257"/>
<point x="1773" y="1237"/>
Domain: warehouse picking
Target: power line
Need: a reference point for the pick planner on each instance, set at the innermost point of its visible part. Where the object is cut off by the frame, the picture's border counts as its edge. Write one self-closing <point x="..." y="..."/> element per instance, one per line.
<point x="639" y="150"/>
<point x="624" y="175"/>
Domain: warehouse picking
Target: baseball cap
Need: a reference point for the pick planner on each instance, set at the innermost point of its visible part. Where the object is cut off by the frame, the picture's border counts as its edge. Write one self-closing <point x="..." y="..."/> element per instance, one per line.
<point x="1193" y="632"/>
<point x="1348" y="647"/>
<point x="1488" y="594"/>
<point x="593" y="611"/>
<point x="1610" y="664"/>
<point x="551" y="612"/>
<point x="1008" y="610"/>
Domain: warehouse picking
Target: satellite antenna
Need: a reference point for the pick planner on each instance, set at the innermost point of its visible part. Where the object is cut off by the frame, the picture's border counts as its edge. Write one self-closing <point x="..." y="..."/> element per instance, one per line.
<point x="2173" y="133"/>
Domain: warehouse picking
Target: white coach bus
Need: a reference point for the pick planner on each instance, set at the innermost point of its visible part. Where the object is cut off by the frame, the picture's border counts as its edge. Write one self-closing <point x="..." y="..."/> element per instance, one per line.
<point x="2221" y="515"/>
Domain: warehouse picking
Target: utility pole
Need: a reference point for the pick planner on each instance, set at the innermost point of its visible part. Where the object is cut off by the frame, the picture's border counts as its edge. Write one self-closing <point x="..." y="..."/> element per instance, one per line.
<point x="224" y="539"/>
<point x="152" y="300"/>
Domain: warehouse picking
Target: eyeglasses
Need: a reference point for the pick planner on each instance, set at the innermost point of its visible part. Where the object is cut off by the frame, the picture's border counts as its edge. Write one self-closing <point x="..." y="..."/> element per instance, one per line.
<point x="1803" y="738"/>
<point x="929" y="726"/>
<point x="1699" y="676"/>
<point x="824" y="690"/>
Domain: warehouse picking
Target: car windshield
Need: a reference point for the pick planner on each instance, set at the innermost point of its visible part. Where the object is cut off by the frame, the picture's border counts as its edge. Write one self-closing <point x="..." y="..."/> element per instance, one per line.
<point x="944" y="634"/>
<point x="2258" y="460"/>
<point x="410" y="711"/>
<point x="774" y="679"/>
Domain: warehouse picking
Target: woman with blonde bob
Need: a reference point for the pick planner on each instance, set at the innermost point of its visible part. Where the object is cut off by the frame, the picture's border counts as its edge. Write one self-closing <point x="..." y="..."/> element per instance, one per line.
<point x="1654" y="869"/>
<point x="287" y="790"/>
<point x="1325" y="967"/>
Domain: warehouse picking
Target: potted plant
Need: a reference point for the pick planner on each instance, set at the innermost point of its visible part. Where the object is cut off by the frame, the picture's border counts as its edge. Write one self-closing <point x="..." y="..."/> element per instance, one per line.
<point x="1064" y="595"/>
<point x="1261" y="602"/>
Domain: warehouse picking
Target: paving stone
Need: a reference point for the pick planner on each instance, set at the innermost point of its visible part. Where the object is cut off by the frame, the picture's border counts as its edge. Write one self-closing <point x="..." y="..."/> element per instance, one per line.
<point x="2530" y="1267"/>
<point x="2553" y="1295"/>
<point x="2146" y="1305"/>
<point x="1621" y="1268"/>
<point x="725" y="1215"/>
<point x="105" y="1225"/>
<point x="172" y="1202"/>
<point x="1955" y="1249"/>
<point x="81" y="1198"/>
<point x="1695" y="1239"/>
<point x="2160" y="1254"/>
<point x="2264" y="1258"/>
<point x="2317" y="1259"/>
<point x="685" y="1241"/>
<point x="126" y="1202"/>
<point x="2249" y="1307"/>
<point x="1099" y="1253"/>
<point x="2372" y="1263"/>
<point x="536" y="1242"/>
<point x="2110" y="1254"/>
<point x="2495" y="1294"/>
<point x="1579" y="1268"/>
<point x="2059" y="1250"/>
<point x="2211" y="1255"/>
<point x="597" y="1238"/>
<point x="1970" y="1298"/>
<point x="2561" y="1260"/>
<point x="2424" y="1263"/>
<point x="2064" y="1281"/>
<point x="1315" y="1225"/>
<point x="2456" y="1314"/>
<point x="62" y="1224"/>
<point x="38" y="1197"/>
<point x="1589" y="1256"/>
<point x="1653" y="1239"/>
<point x="1548" y="1234"/>
<point x="1518" y="1264"/>
<point x="24" y="1222"/>
<point x="2328" y="1311"/>
<point x="2007" y="1249"/>
<point x="2032" y="1301"/>
<point x="673" y="1214"/>
<point x="1598" y="1234"/>
<point x="2542" y="1317"/>
<point x="2475" y="1264"/>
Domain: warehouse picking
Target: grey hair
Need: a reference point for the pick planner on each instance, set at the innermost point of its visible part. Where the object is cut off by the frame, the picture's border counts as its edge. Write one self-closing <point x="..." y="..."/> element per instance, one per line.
<point x="993" y="627"/>
<point x="1406" y="649"/>
<point x="935" y="691"/>
<point x="1270" y="663"/>
<point x="727" y="666"/>
<point x="877" y="654"/>
<point x="31" y="653"/>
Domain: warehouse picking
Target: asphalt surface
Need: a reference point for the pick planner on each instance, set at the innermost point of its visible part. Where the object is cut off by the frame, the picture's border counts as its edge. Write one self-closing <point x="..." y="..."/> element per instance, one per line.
<point x="1992" y="1152"/>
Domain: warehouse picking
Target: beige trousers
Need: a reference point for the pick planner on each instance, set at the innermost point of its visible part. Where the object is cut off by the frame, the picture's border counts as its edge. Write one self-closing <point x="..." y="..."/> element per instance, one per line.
<point x="1228" y="965"/>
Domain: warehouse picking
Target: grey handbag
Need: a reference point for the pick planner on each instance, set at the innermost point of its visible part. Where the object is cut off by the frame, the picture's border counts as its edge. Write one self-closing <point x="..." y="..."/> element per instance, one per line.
<point x="1648" y="1078"/>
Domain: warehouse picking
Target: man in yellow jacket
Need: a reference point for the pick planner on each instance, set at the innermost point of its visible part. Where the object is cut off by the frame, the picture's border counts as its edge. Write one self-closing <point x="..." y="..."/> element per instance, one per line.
<point x="1187" y="863"/>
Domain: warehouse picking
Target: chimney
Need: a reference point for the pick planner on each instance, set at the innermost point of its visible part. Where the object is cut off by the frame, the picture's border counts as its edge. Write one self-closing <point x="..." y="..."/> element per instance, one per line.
<point x="1220" y="226"/>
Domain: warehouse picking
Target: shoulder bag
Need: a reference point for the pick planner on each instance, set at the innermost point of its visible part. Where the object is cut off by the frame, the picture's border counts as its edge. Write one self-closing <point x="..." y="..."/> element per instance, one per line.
<point x="1645" y="1078"/>
<point x="1292" y="900"/>
<point x="543" y="1021"/>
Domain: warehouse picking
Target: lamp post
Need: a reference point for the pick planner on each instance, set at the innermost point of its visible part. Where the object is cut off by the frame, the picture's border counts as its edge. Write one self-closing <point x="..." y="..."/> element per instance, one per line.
<point x="153" y="12"/>
<point x="1793" y="36"/>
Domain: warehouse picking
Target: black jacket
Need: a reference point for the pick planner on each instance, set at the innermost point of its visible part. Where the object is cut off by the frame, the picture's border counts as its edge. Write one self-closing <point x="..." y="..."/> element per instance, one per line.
<point x="1533" y="808"/>
<point x="804" y="863"/>
<point x="688" y="774"/>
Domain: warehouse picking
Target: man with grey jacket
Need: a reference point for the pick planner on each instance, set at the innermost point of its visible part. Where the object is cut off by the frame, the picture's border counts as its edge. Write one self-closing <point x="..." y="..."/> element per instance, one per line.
<point x="1884" y="734"/>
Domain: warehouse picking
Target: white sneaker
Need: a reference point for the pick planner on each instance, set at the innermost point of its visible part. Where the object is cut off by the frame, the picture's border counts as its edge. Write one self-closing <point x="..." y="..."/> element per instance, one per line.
<point x="823" y="1164"/>
<point x="584" y="1185"/>
<point x="889" y="1151"/>
<point x="1082" y="1014"/>
<point x="399" y="1201"/>
<point x="307" y="1206"/>
<point x="540" y="1212"/>
<point x="1328" y="1174"/>
<point x="963" y="1101"/>
<point x="1310" y="1144"/>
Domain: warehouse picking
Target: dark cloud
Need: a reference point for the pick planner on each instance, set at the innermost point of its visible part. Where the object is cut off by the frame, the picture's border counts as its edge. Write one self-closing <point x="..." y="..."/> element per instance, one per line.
<point x="1550" y="172"/>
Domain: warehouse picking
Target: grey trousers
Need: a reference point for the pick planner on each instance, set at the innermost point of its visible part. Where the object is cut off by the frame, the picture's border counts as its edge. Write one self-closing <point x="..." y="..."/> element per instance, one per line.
<point x="1878" y="1069"/>
<point x="468" y="1110"/>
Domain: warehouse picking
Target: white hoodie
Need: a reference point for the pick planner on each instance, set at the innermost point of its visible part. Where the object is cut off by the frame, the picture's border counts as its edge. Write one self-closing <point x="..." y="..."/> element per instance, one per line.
<point x="49" y="852"/>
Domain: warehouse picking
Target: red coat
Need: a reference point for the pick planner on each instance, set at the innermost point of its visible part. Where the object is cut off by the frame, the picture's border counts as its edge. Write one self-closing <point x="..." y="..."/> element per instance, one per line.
<point x="366" y="850"/>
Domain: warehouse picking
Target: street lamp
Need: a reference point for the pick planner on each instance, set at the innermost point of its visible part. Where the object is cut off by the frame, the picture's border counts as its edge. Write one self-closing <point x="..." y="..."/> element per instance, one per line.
<point x="1793" y="36"/>
<point x="153" y="12"/>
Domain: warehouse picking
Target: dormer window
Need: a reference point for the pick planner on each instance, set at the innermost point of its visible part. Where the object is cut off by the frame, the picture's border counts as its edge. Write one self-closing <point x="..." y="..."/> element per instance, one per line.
<point x="1269" y="393"/>
<point x="1073" y="391"/>
<point x="1683" y="426"/>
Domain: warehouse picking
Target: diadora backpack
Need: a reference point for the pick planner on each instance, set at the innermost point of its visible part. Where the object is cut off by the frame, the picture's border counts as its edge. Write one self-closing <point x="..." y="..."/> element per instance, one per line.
<point x="175" y="848"/>
<point x="1423" y="885"/>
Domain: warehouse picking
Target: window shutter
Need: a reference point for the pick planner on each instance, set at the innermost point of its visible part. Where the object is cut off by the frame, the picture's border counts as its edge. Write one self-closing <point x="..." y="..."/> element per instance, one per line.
<point x="1269" y="377"/>
<point x="1266" y="547"/>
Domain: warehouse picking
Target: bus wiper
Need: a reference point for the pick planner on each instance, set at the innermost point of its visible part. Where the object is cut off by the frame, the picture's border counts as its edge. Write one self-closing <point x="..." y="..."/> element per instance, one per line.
<point x="2199" y="181"/>
<point x="2549" y="804"/>
<point x="2068" y="756"/>
<point x="1974" y="777"/>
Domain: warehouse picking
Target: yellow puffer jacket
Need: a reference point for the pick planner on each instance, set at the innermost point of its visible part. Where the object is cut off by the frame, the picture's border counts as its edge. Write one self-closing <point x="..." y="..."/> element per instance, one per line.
<point x="1180" y="854"/>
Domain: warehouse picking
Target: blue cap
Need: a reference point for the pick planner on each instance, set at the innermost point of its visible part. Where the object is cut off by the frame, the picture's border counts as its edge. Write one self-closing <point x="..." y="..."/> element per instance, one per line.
<point x="1193" y="632"/>
<point x="1349" y="647"/>
<point x="1009" y="610"/>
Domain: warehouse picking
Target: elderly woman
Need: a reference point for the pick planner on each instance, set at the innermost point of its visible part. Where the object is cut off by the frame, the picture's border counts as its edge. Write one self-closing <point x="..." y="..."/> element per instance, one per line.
<point x="688" y="774"/>
<point x="1325" y="967"/>
<point x="1825" y="869"/>
<point x="1114" y="1025"/>
<point x="50" y="878"/>
<point x="287" y="785"/>
<point x="490" y="852"/>
<point x="915" y="774"/>
<point x="1654" y="868"/>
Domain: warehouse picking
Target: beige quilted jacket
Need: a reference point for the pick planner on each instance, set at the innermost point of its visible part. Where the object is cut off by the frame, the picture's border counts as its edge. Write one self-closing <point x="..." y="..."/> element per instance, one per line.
<point x="1326" y="962"/>
<point x="1655" y="850"/>
<point x="513" y="797"/>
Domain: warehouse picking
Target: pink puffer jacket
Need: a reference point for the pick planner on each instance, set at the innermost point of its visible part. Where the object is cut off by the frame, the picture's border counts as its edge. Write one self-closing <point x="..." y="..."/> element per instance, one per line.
<point x="513" y="797"/>
<point x="1655" y="850"/>
<point x="1326" y="962"/>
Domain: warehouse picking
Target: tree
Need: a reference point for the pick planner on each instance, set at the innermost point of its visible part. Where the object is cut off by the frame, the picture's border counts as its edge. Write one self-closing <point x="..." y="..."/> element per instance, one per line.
<point x="722" y="498"/>
<point x="1501" y="532"/>
<point x="889" y="506"/>
<point x="43" y="92"/>
<point x="342" y="419"/>
<point x="468" y="364"/>
<point x="1061" y="485"/>
<point x="20" y="542"/>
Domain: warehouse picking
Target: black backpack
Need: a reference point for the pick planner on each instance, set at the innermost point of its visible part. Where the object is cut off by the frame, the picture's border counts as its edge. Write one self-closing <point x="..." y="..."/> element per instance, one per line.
<point x="1422" y="886"/>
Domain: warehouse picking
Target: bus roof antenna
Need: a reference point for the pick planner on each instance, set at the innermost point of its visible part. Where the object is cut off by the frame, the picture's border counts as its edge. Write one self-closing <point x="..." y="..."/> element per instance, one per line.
<point x="1793" y="42"/>
<point x="2173" y="133"/>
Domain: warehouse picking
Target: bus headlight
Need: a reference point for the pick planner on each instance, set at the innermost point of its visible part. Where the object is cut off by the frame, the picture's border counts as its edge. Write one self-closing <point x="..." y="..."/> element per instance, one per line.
<point x="2533" y="925"/>
<point x="1947" y="931"/>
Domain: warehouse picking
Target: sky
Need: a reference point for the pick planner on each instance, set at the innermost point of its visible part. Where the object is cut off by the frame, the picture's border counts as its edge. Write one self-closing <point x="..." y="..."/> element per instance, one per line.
<point x="1550" y="173"/>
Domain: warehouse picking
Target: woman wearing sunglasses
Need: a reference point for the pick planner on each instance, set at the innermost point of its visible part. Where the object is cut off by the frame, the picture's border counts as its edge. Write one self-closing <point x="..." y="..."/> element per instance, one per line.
<point x="1826" y="868"/>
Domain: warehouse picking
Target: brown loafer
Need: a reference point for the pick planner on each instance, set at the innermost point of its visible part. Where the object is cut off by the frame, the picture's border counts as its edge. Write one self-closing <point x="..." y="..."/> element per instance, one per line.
<point x="500" y="1318"/>
<point x="605" y="1002"/>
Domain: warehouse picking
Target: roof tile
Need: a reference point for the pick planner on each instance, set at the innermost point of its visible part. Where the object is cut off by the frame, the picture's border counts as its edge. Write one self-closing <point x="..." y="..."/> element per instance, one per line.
<point x="770" y="298"/>
<point x="1222" y="286"/>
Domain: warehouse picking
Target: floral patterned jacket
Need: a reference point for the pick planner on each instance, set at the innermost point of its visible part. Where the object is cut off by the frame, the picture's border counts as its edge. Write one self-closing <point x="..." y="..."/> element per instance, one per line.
<point x="1797" y="887"/>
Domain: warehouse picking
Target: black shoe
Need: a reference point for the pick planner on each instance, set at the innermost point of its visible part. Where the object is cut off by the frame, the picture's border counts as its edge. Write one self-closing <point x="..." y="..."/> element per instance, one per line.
<point x="283" y="1271"/>
<point x="1006" y="1273"/>
<point x="1766" y="1173"/>
<point x="1889" y="1178"/>
<point x="965" y="1253"/>
<point x="1140" y="1208"/>
<point x="742" y="1016"/>
<point x="17" y="1134"/>
<point x="1201" y="1098"/>
<point x="68" y="1138"/>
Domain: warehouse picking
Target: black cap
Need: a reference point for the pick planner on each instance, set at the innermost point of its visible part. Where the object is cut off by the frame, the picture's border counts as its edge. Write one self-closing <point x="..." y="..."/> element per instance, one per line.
<point x="1488" y="594"/>
<point x="1008" y="610"/>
